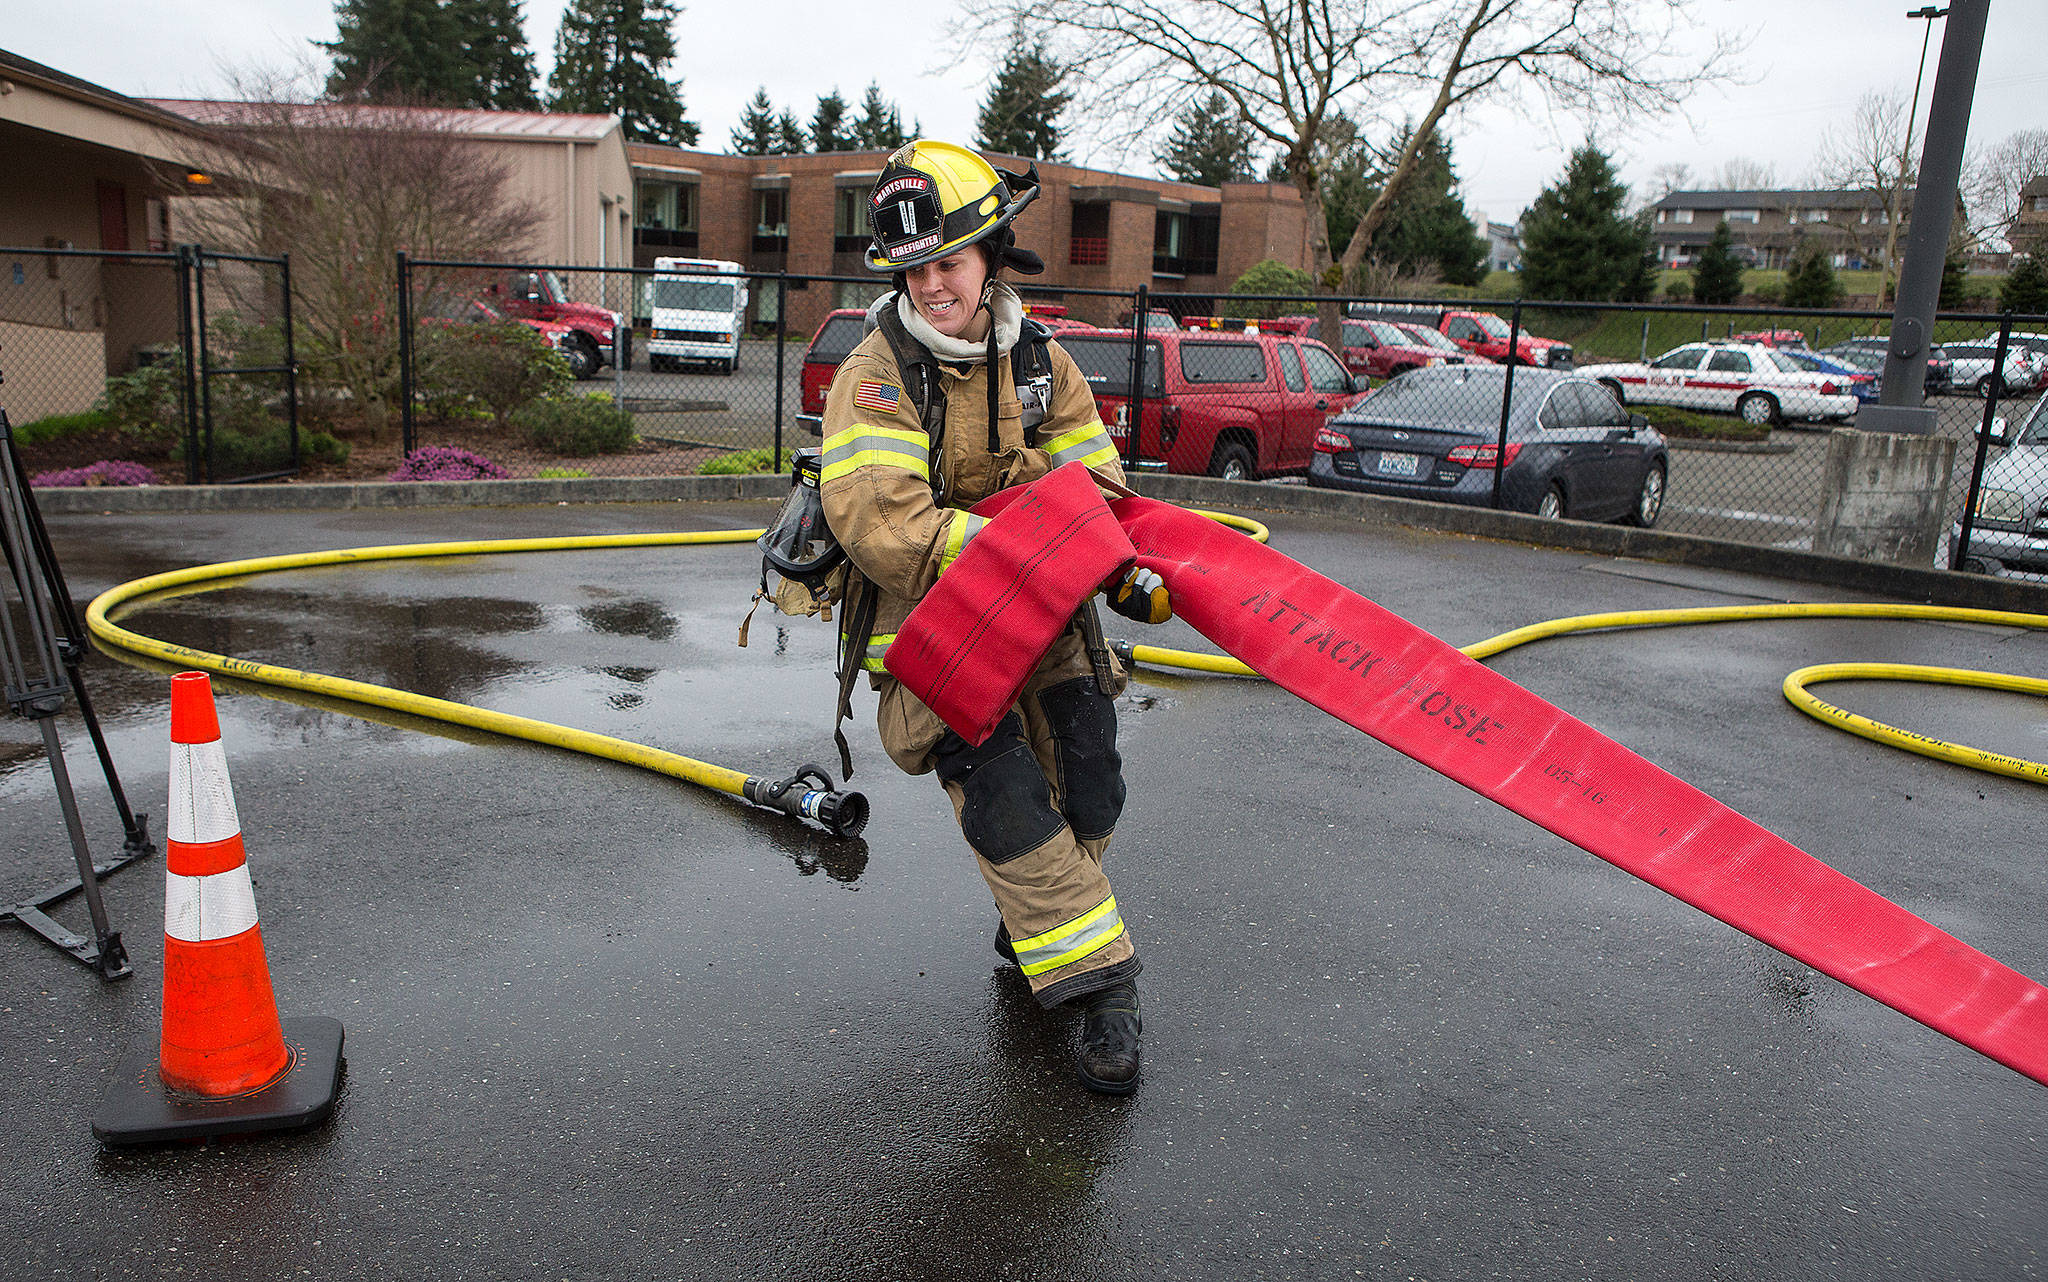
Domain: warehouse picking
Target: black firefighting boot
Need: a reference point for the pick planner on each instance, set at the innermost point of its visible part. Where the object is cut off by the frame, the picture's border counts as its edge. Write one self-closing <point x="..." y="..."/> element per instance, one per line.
<point x="1003" y="948"/>
<point x="1108" y="1059"/>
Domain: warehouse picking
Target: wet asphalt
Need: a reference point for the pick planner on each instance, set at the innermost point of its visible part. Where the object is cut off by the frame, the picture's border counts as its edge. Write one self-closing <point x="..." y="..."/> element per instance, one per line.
<point x="603" y="1024"/>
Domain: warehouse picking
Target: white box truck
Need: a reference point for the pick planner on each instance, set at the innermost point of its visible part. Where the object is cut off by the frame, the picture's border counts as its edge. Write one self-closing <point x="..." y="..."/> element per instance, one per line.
<point x="698" y="308"/>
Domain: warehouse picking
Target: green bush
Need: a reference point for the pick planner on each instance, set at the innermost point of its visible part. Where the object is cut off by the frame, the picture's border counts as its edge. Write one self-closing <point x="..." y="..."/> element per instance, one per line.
<point x="1268" y="276"/>
<point x="243" y="453"/>
<point x="57" y="426"/>
<point x="148" y="402"/>
<point x="577" y="426"/>
<point x="739" y="462"/>
<point x="1691" y="424"/>
<point x="497" y="369"/>
<point x="562" y="473"/>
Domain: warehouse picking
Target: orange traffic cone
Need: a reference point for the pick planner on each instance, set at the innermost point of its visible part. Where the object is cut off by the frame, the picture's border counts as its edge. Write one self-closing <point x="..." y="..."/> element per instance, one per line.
<point x="224" y="1062"/>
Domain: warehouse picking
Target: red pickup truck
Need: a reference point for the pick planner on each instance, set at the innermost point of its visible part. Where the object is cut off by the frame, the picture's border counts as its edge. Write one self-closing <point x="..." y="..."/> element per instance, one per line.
<point x="539" y="296"/>
<point x="1480" y="332"/>
<point x="1238" y="406"/>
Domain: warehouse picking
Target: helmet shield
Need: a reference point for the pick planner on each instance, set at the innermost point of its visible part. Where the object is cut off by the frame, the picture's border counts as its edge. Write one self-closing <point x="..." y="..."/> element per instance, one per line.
<point x="935" y="199"/>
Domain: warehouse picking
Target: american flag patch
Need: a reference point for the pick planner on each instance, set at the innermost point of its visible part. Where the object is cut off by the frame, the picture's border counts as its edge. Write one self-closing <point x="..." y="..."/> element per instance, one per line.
<point x="879" y="397"/>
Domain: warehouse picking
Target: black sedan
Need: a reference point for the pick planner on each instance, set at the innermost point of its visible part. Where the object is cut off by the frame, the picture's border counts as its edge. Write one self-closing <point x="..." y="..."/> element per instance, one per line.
<point x="1571" y="449"/>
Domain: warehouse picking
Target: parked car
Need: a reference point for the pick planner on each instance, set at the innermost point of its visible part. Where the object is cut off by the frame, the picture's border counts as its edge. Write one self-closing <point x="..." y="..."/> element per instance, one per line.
<point x="1940" y="369"/>
<point x="529" y="296"/>
<point x="1382" y="349"/>
<point x="1862" y="383"/>
<point x="1482" y="333"/>
<point x="1971" y="368"/>
<point x="2035" y="343"/>
<point x="1435" y="341"/>
<point x="838" y="334"/>
<point x="1239" y="406"/>
<point x="2011" y="526"/>
<point x="1761" y="384"/>
<point x="1572" y="450"/>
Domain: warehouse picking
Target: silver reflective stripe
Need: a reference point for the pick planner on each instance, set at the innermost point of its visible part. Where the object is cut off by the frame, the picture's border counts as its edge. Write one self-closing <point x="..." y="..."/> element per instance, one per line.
<point x="1089" y="445"/>
<point x="877" y="647"/>
<point x="1071" y="942"/>
<point x="202" y="801"/>
<point x="217" y="906"/>
<point x="847" y="451"/>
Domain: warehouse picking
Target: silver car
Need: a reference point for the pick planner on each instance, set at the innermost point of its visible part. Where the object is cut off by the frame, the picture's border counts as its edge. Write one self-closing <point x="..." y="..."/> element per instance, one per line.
<point x="2011" y="528"/>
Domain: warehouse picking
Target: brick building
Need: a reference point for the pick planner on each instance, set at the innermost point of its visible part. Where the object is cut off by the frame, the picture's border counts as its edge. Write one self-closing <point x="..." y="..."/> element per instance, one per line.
<point x="2030" y="228"/>
<point x="1769" y="225"/>
<point x="808" y="215"/>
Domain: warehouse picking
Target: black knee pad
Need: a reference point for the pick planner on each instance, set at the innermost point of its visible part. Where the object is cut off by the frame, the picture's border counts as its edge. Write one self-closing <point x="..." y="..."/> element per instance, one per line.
<point x="1091" y="773"/>
<point x="1007" y="809"/>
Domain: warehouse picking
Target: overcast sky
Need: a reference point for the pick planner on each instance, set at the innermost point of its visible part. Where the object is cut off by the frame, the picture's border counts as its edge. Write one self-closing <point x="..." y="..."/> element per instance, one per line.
<point x="1806" y="64"/>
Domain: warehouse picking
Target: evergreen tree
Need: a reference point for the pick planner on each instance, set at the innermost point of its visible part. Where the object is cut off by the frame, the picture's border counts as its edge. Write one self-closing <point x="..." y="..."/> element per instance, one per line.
<point x="828" y="125"/>
<point x="497" y="65"/>
<point x="880" y="127"/>
<point x="1577" y="243"/>
<point x="755" y="133"/>
<point x="1811" y="281"/>
<point x="1717" y="274"/>
<point x="609" y="56"/>
<point x="789" y="135"/>
<point x="1211" y="144"/>
<point x="1020" y="116"/>
<point x="2026" y="288"/>
<point x="394" y="51"/>
<point x="1955" y="267"/>
<point x="1426" y="224"/>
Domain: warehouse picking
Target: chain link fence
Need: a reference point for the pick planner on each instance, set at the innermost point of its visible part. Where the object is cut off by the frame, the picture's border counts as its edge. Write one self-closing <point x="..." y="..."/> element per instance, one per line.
<point x="146" y="368"/>
<point x="1709" y="421"/>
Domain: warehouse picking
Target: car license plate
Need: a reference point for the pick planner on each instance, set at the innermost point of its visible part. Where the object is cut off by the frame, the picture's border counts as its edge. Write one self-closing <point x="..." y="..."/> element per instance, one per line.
<point x="1392" y="464"/>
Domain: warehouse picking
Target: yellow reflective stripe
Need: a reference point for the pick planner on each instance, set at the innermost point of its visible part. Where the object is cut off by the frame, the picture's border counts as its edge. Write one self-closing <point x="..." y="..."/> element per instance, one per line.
<point x="1088" y="443"/>
<point x="877" y="647"/>
<point x="964" y="527"/>
<point x="1089" y="933"/>
<point x="865" y="444"/>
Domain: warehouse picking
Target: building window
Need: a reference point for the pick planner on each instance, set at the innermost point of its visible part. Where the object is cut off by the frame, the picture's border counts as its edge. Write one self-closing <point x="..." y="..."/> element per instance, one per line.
<point x="1185" y="244"/>
<point x="850" y="232"/>
<point x="1744" y="216"/>
<point x="1878" y="216"/>
<point x="771" y="220"/>
<point x="665" y="213"/>
<point x="1088" y="240"/>
<point x="1816" y="215"/>
<point x="1681" y="215"/>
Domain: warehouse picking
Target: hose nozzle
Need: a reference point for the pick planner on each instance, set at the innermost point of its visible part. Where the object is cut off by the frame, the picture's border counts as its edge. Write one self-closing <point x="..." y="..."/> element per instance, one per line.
<point x="809" y="794"/>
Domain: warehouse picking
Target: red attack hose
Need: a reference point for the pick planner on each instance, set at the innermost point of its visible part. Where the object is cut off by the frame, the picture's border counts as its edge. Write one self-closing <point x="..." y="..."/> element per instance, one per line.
<point x="1376" y="671"/>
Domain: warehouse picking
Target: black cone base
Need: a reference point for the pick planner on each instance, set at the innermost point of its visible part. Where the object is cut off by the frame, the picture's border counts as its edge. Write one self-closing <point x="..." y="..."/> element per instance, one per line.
<point x="139" y="1109"/>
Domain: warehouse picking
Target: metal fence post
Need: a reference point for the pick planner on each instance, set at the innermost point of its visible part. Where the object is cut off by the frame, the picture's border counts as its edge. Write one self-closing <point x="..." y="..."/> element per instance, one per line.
<point x="1969" y="518"/>
<point x="781" y="303"/>
<point x="291" y="361"/>
<point x="1507" y="392"/>
<point x="1141" y="303"/>
<point x="188" y="347"/>
<point x="406" y="438"/>
<point x="205" y="357"/>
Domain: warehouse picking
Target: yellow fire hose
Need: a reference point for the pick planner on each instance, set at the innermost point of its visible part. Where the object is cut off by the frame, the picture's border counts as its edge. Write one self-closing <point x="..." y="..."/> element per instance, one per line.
<point x="845" y="812"/>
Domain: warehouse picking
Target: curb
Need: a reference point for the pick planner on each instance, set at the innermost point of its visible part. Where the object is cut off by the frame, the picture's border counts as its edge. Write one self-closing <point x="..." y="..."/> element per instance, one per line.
<point x="1711" y="446"/>
<point x="1935" y="587"/>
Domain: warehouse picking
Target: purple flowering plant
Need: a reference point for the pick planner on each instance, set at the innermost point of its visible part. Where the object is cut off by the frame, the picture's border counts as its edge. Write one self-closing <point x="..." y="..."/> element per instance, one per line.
<point x="447" y="463"/>
<point x="109" y="471"/>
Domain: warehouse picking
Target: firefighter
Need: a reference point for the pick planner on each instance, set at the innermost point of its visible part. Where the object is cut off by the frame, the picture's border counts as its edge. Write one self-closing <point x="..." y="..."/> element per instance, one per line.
<point x="952" y="396"/>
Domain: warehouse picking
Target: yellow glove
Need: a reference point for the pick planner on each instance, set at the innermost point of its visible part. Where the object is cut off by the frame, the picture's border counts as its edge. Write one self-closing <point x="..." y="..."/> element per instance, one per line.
<point x="1141" y="597"/>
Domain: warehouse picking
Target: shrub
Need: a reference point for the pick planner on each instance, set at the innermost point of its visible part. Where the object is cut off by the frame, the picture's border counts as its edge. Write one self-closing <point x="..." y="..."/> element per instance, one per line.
<point x="237" y="453"/>
<point x="1268" y="276"/>
<point x="111" y="471"/>
<point x="147" y="402"/>
<point x="578" y="426"/>
<point x="1811" y="282"/>
<point x="562" y="473"/>
<point x="738" y="463"/>
<point x="1691" y="424"/>
<point x="496" y="368"/>
<point x="2026" y="288"/>
<point x="446" y="463"/>
<point x="55" y="427"/>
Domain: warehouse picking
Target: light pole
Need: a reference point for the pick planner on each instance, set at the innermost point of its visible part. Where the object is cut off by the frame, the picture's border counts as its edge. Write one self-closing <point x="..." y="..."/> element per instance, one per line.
<point x="1891" y="232"/>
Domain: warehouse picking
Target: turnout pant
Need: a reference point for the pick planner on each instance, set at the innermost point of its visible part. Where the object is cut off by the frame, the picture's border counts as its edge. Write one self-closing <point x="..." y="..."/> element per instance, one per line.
<point x="1038" y="803"/>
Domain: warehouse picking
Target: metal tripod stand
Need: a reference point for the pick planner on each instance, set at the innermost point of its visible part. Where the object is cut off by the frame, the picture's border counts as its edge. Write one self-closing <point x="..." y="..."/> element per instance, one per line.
<point x="39" y="667"/>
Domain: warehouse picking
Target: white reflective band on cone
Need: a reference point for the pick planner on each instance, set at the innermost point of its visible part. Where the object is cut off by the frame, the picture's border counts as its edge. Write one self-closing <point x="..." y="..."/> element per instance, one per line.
<point x="202" y="801"/>
<point x="218" y="906"/>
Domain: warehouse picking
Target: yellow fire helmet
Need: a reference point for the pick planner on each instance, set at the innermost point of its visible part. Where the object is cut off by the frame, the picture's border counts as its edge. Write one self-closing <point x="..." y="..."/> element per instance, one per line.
<point x="935" y="199"/>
